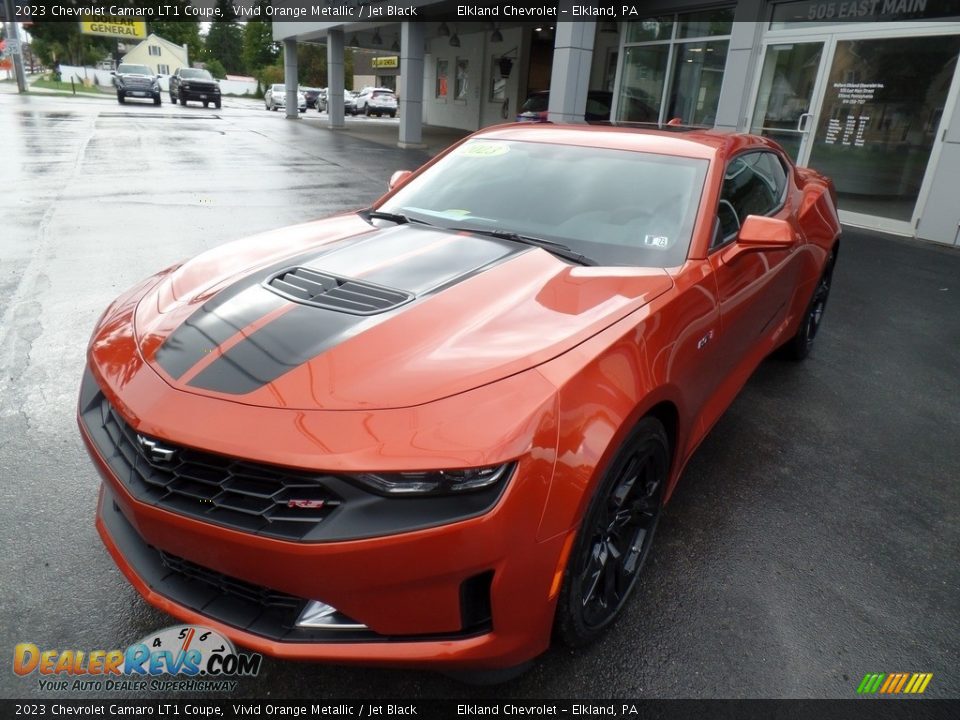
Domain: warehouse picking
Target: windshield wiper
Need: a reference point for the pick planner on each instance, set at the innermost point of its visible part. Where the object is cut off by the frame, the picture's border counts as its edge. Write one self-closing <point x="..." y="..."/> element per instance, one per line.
<point x="398" y="218"/>
<point x="551" y="246"/>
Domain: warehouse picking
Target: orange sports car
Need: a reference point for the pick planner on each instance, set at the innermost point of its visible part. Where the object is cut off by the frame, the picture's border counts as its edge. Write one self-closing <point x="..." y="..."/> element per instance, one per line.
<point x="440" y="431"/>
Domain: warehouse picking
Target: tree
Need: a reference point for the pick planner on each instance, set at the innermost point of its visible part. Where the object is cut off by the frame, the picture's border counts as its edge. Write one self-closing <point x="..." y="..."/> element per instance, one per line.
<point x="216" y="69"/>
<point x="312" y="64"/>
<point x="225" y="40"/>
<point x="56" y="41"/>
<point x="259" y="49"/>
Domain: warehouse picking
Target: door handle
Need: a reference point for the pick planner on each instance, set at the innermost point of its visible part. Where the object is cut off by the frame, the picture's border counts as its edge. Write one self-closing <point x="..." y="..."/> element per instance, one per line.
<point x="802" y="121"/>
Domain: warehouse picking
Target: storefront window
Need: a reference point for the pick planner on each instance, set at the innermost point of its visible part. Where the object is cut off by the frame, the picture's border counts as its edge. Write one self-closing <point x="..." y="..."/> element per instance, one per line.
<point x="881" y="110"/>
<point x="673" y="67"/>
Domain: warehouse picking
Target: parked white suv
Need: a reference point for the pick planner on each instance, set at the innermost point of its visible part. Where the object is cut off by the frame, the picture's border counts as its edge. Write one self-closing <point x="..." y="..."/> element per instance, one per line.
<point x="377" y="101"/>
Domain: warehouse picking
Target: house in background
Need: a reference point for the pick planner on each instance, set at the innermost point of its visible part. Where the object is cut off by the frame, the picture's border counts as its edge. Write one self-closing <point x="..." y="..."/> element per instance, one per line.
<point x="161" y="56"/>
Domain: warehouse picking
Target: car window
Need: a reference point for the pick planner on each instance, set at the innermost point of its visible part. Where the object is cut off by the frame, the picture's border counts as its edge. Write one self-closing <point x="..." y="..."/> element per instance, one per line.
<point x="754" y="184"/>
<point x="128" y="69"/>
<point x="277" y="87"/>
<point x="195" y="74"/>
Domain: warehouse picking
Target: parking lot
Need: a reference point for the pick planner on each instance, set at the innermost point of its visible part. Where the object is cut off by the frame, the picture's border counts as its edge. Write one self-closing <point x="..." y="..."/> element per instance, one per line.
<point x="812" y="539"/>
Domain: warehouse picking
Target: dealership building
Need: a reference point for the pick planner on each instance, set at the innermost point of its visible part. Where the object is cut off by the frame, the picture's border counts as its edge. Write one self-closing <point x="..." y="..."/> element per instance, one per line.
<point x="866" y="91"/>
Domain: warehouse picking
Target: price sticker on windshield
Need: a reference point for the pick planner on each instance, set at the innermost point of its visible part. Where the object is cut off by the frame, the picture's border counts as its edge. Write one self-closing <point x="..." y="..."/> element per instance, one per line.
<point x="484" y="149"/>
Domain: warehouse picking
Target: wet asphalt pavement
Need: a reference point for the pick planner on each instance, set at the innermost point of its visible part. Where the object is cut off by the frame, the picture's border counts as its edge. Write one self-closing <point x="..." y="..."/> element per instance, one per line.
<point x="813" y="538"/>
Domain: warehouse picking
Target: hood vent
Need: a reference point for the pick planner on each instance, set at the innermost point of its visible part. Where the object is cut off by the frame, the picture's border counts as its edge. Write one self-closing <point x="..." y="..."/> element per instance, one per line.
<point x="309" y="287"/>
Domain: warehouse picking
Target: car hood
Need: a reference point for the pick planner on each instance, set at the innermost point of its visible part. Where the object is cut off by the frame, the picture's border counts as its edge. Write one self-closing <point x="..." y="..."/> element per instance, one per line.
<point x="391" y="317"/>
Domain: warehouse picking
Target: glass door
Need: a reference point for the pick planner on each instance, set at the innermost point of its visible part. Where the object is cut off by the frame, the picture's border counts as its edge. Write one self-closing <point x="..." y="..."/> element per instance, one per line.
<point x="879" y="118"/>
<point x="784" y="109"/>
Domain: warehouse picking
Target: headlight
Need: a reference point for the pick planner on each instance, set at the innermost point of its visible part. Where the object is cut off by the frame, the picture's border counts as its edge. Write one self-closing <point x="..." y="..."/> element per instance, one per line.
<point x="435" y="482"/>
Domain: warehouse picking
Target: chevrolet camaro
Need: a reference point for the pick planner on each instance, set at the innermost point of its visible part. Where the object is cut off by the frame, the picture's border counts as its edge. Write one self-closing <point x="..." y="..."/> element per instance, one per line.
<point x="439" y="431"/>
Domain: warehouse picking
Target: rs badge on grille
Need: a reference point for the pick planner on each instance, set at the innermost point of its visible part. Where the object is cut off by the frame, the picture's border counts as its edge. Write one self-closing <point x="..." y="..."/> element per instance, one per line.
<point x="306" y="503"/>
<point x="154" y="451"/>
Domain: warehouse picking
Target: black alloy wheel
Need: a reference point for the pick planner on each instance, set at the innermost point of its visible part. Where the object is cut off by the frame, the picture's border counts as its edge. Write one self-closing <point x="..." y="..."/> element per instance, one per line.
<point x="615" y="536"/>
<point x="799" y="346"/>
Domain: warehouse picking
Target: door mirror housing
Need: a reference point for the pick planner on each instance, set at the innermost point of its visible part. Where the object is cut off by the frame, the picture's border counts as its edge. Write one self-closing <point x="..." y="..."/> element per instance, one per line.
<point x="761" y="233"/>
<point x="766" y="233"/>
<point x="398" y="178"/>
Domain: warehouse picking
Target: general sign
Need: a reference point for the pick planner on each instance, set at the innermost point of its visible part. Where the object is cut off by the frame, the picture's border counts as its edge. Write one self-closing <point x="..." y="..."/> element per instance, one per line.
<point x="120" y="29"/>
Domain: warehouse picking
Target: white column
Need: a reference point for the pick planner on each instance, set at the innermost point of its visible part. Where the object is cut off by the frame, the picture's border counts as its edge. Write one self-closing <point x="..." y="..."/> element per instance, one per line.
<point x="570" y="76"/>
<point x="412" y="38"/>
<point x="290" y="77"/>
<point x="335" y="78"/>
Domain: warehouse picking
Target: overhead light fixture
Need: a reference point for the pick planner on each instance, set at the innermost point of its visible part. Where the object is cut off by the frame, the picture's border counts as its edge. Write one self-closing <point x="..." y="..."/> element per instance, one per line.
<point x="454" y="39"/>
<point x="609" y="27"/>
<point x="444" y="30"/>
<point x="377" y="40"/>
<point x="354" y="42"/>
<point x="396" y="44"/>
<point x="497" y="35"/>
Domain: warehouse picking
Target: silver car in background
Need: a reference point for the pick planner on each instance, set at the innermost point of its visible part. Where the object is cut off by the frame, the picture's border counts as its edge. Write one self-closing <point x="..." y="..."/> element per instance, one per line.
<point x="276" y="97"/>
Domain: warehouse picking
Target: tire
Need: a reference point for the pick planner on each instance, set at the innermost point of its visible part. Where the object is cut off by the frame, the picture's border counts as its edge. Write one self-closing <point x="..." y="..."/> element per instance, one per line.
<point x="183" y="101"/>
<point x="366" y="110"/>
<point x="173" y="98"/>
<point x="615" y="536"/>
<point x="393" y="114"/>
<point x="206" y="104"/>
<point x="216" y="104"/>
<point x="120" y="98"/>
<point x="156" y="100"/>
<point x="798" y="347"/>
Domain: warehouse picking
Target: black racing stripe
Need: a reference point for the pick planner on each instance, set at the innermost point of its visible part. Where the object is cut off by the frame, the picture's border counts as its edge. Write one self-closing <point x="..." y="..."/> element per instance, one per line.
<point x="304" y="332"/>
<point x="209" y="327"/>
<point x="229" y="311"/>
<point x="287" y="342"/>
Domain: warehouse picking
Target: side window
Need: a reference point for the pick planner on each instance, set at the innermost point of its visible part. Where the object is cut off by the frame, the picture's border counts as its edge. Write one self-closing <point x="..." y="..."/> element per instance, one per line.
<point x="753" y="184"/>
<point x="750" y="187"/>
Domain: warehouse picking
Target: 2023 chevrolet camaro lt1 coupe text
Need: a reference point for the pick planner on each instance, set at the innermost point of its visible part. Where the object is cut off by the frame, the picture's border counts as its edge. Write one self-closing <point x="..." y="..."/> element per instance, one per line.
<point x="439" y="431"/>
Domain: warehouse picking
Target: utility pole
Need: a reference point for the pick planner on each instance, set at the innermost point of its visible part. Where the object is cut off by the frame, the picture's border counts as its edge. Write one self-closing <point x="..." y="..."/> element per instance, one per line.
<point x="17" y="53"/>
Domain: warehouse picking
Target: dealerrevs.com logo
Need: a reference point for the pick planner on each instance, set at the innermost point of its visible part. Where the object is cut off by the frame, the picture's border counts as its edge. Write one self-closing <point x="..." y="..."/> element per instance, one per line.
<point x="182" y="657"/>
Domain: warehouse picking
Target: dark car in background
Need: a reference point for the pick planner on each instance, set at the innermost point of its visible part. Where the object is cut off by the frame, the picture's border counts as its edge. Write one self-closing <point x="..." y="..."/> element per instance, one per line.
<point x="194" y="84"/>
<point x="534" y="109"/>
<point x="312" y="95"/>
<point x="136" y="81"/>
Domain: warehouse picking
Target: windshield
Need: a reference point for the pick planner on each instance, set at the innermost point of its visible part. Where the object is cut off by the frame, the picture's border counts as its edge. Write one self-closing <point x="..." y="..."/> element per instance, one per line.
<point x="616" y="207"/>
<point x="126" y="69"/>
<point x="278" y="88"/>
<point x="193" y="74"/>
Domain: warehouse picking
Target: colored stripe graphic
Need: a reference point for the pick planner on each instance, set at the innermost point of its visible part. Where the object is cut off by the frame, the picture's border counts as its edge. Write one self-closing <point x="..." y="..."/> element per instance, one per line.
<point x="894" y="683"/>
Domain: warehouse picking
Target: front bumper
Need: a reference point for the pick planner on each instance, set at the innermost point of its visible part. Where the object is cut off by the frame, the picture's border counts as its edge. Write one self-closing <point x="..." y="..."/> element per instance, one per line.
<point x="198" y="93"/>
<point x="469" y="594"/>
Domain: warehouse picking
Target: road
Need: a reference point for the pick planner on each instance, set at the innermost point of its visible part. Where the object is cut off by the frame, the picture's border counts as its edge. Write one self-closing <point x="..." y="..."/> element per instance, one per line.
<point x="813" y="538"/>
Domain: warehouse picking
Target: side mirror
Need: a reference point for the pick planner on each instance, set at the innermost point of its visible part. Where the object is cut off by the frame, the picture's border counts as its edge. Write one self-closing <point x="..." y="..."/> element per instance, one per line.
<point x="761" y="233"/>
<point x="398" y="178"/>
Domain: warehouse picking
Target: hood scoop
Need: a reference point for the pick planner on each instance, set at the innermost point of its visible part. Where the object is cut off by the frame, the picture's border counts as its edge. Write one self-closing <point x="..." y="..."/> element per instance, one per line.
<point x="333" y="292"/>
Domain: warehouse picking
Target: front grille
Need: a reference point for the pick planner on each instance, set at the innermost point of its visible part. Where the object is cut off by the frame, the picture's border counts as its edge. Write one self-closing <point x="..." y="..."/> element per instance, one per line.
<point x="310" y="287"/>
<point x="257" y="594"/>
<point x="137" y="84"/>
<point x="262" y="499"/>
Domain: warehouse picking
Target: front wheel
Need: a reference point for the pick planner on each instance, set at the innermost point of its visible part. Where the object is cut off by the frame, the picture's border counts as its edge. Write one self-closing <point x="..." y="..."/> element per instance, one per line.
<point x="798" y="347"/>
<point x="120" y="98"/>
<point x="615" y="536"/>
<point x="183" y="100"/>
<point x="173" y="98"/>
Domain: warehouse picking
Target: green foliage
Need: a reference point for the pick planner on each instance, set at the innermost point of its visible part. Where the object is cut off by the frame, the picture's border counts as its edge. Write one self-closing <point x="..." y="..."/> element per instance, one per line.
<point x="312" y="65"/>
<point x="259" y="49"/>
<point x="55" y="41"/>
<point x="216" y="68"/>
<point x="225" y="43"/>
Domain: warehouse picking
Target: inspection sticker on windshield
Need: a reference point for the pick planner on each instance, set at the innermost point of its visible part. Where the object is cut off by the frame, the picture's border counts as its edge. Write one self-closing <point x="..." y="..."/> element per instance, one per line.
<point x="484" y="149"/>
<point x="658" y="242"/>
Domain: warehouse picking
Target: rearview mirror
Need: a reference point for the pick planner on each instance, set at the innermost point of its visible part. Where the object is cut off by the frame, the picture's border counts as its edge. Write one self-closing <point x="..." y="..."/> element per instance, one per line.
<point x="398" y="178"/>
